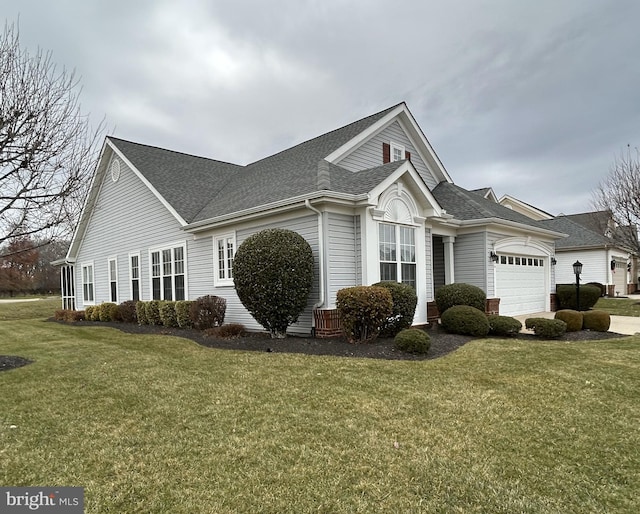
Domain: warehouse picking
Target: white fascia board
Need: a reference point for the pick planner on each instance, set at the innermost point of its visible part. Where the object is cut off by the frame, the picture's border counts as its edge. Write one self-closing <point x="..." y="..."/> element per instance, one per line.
<point x="525" y="206"/>
<point x="144" y="180"/>
<point x="273" y="208"/>
<point x="406" y="169"/>
<point x="512" y="224"/>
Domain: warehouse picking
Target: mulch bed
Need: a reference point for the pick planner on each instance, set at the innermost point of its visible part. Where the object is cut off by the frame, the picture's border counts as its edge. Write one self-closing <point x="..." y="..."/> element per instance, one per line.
<point x="442" y="343"/>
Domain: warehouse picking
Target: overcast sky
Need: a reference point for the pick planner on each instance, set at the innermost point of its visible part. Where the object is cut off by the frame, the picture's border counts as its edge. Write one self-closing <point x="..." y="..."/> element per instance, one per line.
<point x="532" y="98"/>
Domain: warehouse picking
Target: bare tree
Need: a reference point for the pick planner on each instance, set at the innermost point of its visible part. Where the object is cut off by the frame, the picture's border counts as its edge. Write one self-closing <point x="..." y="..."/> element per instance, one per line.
<point x="47" y="146"/>
<point x="619" y="194"/>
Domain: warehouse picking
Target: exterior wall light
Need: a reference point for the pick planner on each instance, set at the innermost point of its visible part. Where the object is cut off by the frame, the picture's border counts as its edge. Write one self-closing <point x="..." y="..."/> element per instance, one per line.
<point x="493" y="256"/>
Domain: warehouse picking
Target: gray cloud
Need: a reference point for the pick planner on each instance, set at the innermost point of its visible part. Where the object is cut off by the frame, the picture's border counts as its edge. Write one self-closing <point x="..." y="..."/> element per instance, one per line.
<point x="532" y="98"/>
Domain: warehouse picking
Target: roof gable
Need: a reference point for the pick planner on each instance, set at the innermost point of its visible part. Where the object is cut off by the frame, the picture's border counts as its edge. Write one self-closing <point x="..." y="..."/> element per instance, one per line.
<point x="579" y="236"/>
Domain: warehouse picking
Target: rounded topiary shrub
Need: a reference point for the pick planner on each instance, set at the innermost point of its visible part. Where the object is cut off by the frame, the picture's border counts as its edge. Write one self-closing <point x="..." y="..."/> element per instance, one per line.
<point x="127" y="311"/>
<point x="88" y="312"/>
<point x="602" y="287"/>
<point x="107" y="311"/>
<point x="183" y="313"/>
<point x="566" y="294"/>
<point x="412" y="340"/>
<point x="141" y="313"/>
<point x="465" y="320"/>
<point x="404" y="299"/>
<point x="273" y="275"/>
<point x="363" y="310"/>
<point x="546" y="328"/>
<point x="208" y="312"/>
<point x="460" y="294"/>
<point x="599" y="321"/>
<point x="572" y="318"/>
<point x="504" y="326"/>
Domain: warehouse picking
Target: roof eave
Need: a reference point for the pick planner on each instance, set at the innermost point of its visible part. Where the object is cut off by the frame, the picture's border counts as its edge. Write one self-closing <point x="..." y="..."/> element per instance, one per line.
<point x="513" y="224"/>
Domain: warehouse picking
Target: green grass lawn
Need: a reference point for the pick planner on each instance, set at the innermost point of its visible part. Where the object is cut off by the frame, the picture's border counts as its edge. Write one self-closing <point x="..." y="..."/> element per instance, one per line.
<point x="160" y="424"/>
<point x="619" y="306"/>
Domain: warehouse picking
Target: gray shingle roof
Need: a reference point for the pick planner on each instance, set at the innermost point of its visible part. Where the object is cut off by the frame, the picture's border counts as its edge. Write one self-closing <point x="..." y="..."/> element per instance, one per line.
<point x="469" y="205"/>
<point x="199" y="188"/>
<point x="579" y="235"/>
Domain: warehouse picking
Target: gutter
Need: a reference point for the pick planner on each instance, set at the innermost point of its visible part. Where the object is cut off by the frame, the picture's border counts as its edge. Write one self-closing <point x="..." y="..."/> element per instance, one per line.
<point x="320" y="302"/>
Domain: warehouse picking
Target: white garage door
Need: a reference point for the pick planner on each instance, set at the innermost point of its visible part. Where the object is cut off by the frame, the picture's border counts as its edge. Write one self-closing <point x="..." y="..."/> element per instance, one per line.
<point x="520" y="284"/>
<point x="619" y="275"/>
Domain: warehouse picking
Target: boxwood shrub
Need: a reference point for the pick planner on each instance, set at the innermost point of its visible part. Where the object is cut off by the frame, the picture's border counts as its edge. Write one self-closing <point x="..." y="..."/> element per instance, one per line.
<point x="566" y="294"/>
<point x="183" y="314"/>
<point x="88" y="312"/>
<point x="363" y="311"/>
<point x="460" y="294"/>
<point x="404" y="299"/>
<point x="412" y="340"/>
<point x="546" y="328"/>
<point x="141" y="313"/>
<point x="599" y="321"/>
<point x="168" y="316"/>
<point x="107" y="311"/>
<point x="152" y="311"/>
<point x="504" y="326"/>
<point x="465" y="320"/>
<point x="572" y="318"/>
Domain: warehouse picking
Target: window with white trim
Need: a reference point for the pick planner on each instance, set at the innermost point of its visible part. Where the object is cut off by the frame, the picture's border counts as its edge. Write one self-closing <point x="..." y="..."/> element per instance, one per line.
<point x="113" y="280"/>
<point x="397" y="249"/>
<point x="397" y="152"/>
<point x="224" y="250"/>
<point x="168" y="273"/>
<point x="88" y="295"/>
<point x="134" y="275"/>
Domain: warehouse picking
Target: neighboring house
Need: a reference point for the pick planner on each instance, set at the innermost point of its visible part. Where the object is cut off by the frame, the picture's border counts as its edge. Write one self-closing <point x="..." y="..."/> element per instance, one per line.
<point x="372" y="199"/>
<point x="524" y="208"/>
<point x="590" y="242"/>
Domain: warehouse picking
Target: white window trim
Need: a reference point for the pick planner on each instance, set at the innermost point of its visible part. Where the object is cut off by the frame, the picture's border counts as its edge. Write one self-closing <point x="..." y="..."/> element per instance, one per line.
<point x="135" y="254"/>
<point x="161" y="248"/>
<point x="395" y="146"/>
<point x="113" y="279"/>
<point x="93" y="283"/>
<point x="399" y="262"/>
<point x="227" y="281"/>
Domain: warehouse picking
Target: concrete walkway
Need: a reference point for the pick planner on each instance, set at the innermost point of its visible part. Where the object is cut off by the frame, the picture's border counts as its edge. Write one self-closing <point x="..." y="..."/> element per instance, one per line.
<point x="627" y="325"/>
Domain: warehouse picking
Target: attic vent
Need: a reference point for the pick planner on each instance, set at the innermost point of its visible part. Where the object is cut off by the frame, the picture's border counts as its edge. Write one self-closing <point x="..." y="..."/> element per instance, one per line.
<point x="115" y="170"/>
<point x="398" y="211"/>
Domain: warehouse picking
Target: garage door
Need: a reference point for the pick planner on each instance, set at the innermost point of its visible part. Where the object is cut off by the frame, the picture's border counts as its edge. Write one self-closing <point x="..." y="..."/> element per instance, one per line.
<point x="619" y="275"/>
<point x="520" y="284"/>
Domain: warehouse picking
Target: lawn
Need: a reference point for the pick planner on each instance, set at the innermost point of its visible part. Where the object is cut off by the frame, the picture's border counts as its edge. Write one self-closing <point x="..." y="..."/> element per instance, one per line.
<point x="160" y="424"/>
<point x="619" y="306"/>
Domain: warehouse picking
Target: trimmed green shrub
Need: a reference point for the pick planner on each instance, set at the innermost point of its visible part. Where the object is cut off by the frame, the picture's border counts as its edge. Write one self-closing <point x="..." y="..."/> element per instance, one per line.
<point x="152" y="312"/>
<point x="566" y="294"/>
<point x="505" y="326"/>
<point x="412" y="340"/>
<point x="598" y="321"/>
<point x="460" y="294"/>
<point x="363" y="310"/>
<point x="183" y="313"/>
<point x="404" y="299"/>
<point x="207" y="312"/>
<point x="572" y="318"/>
<point x="141" y="313"/>
<point x="603" y="288"/>
<point x="546" y="328"/>
<point x="88" y="312"/>
<point x="465" y="320"/>
<point x="107" y="311"/>
<point x="168" y="316"/>
<point x="127" y="311"/>
<point x="273" y="275"/>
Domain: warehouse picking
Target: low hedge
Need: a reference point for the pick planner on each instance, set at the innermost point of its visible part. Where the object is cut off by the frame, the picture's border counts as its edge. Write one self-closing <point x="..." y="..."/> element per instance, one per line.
<point x="572" y="318"/>
<point x="465" y="320"/>
<point x="566" y="294"/>
<point x="504" y="326"/>
<point x="546" y="328"/>
<point x="168" y="314"/>
<point x="451" y="295"/>
<point x="412" y="340"/>
<point x="598" y="321"/>
<point x="363" y="311"/>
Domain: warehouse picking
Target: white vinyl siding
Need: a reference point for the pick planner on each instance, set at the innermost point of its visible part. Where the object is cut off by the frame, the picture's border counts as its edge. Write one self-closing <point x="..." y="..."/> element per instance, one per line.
<point x="369" y="154"/>
<point x="471" y="258"/>
<point x="343" y="254"/>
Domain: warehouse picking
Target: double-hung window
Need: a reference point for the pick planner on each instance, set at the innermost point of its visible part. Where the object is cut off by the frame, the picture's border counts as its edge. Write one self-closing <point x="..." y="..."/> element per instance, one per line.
<point x="168" y="273"/>
<point x="134" y="275"/>
<point x="397" y="251"/>
<point x="88" y="296"/>
<point x="113" y="280"/>
<point x="224" y="249"/>
<point x="397" y="152"/>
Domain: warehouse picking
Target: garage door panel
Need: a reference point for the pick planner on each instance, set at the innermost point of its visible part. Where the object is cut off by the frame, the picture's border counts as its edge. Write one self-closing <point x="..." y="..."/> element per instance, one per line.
<point x="520" y="287"/>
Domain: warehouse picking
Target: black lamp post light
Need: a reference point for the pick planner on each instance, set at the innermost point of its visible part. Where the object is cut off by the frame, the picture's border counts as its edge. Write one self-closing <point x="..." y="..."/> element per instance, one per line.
<point x="577" y="269"/>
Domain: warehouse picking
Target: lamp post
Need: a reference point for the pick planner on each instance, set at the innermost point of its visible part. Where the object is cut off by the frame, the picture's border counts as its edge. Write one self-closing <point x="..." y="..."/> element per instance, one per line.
<point x="577" y="269"/>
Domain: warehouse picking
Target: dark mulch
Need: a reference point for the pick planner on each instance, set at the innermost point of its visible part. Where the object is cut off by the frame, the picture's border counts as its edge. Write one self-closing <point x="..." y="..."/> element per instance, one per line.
<point x="442" y="343"/>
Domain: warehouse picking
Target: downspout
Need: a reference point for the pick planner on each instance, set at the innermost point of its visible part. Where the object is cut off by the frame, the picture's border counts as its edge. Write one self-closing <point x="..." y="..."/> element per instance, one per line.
<point x="320" y="302"/>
